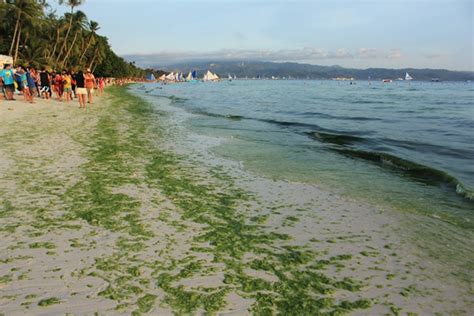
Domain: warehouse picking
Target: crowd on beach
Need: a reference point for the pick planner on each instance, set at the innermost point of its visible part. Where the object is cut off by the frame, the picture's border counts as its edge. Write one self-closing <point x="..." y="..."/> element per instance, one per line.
<point x="63" y="85"/>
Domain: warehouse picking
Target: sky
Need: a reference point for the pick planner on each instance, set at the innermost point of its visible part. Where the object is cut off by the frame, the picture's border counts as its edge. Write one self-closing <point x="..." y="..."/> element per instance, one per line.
<point x="349" y="33"/>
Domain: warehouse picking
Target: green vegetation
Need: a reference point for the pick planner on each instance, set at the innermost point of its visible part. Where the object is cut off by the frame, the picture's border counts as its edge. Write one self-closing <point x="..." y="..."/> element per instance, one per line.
<point x="5" y="278"/>
<point x="6" y="209"/>
<point x="145" y="303"/>
<point x="213" y="203"/>
<point x="130" y="187"/>
<point x="33" y="34"/>
<point x="49" y="301"/>
<point x="47" y="245"/>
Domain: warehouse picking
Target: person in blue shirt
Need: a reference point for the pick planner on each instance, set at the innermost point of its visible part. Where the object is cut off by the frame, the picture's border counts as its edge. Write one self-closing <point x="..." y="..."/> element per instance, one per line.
<point x="20" y="76"/>
<point x="30" y="80"/>
<point x="7" y="77"/>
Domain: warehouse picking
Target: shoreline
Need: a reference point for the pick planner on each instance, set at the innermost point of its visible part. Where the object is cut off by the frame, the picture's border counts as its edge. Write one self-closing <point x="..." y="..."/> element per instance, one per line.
<point x="101" y="214"/>
<point x="425" y="244"/>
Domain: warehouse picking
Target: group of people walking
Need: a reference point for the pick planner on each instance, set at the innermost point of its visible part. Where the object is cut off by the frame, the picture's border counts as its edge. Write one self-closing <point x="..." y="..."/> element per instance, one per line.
<point x="64" y="86"/>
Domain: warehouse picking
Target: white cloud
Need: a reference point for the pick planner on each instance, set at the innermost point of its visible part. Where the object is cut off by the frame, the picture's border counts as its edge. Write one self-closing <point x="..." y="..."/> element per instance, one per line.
<point x="394" y="54"/>
<point x="368" y="53"/>
<point x="306" y="54"/>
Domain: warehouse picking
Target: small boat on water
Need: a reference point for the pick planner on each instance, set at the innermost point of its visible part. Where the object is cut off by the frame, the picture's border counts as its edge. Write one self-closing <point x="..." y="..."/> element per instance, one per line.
<point x="408" y="77"/>
<point x="343" y="78"/>
<point x="189" y="77"/>
<point x="387" y="80"/>
<point x="209" y="76"/>
<point x="435" y="80"/>
<point x="151" y="77"/>
<point x="171" y="77"/>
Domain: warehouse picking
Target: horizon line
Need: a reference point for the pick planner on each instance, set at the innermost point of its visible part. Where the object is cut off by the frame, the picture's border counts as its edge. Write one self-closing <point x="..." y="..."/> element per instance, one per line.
<point x="217" y="60"/>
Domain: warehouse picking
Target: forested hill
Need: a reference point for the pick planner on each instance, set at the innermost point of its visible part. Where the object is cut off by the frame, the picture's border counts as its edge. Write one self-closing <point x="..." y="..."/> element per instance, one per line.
<point x="35" y="35"/>
<point x="305" y="71"/>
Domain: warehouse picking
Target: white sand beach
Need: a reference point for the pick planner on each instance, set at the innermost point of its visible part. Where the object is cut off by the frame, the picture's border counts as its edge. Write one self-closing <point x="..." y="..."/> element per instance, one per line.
<point x="55" y="259"/>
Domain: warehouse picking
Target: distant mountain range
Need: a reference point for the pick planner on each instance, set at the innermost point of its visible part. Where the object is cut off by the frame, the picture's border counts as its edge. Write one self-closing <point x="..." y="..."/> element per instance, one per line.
<point x="257" y="69"/>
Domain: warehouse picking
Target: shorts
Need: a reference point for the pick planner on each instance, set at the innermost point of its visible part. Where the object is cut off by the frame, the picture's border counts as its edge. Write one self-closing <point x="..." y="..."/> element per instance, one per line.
<point x="67" y="90"/>
<point x="32" y="90"/>
<point x="44" y="89"/>
<point x="81" y="91"/>
<point x="9" y="87"/>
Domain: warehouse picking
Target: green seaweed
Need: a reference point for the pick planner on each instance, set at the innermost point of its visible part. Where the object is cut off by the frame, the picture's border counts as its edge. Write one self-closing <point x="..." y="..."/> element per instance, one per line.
<point x="5" y="278"/>
<point x="145" y="303"/>
<point x="124" y="150"/>
<point x="7" y="208"/>
<point x="49" y="301"/>
<point x="47" y="245"/>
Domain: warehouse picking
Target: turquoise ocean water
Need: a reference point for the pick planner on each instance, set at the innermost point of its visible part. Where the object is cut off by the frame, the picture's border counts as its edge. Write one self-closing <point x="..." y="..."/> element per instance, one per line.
<point x="404" y="145"/>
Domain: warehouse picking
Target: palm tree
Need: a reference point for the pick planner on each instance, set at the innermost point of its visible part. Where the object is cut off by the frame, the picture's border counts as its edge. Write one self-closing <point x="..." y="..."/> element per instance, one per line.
<point x="18" y="8"/>
<point x="79" y="20"/>
<point x="33" y="54"/>
<point x="25" y="10"/>
<point x="93" y="28"/>
<point x="58" y="26"/>
<point x="72" y="4"/>
<point x="100" y="48"/>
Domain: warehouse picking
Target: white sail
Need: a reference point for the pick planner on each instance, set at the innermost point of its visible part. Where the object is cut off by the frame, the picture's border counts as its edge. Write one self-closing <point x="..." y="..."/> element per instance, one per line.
<point x="209" y="76"/>
<point x="189" y="77"/>
<point x="162" y="77"/>
<point x="171" y="77"/>
<point x="408" y="77"/>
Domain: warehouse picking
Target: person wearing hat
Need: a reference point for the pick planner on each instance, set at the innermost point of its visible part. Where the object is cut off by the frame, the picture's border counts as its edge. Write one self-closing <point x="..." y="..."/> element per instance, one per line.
<point x="90" y="83"/>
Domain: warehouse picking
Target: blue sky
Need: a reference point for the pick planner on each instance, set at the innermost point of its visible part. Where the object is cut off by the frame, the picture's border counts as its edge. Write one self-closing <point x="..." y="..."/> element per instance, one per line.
<point x="360" y="34"/>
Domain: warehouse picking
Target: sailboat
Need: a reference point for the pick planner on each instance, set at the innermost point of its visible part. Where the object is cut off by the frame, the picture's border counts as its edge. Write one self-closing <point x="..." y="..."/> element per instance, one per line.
<point x="189" y="77"/>
<point x="209" y="76"/>
<point x="229" y="77"/>
<point x="408" y="77"/>
<point x="151" y="77"/>
<point x="171" y="77"/>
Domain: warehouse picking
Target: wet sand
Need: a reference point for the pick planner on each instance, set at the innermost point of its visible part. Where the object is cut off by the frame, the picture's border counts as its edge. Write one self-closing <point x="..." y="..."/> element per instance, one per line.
<point x="114" y="211"/>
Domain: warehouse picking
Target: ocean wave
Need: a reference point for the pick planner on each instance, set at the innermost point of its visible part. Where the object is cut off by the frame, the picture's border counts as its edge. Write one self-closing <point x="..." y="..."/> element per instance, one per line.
<point x="269" y="121"/>
<point x="371" y="102"/>
<point x="426" y="174"/>
<point x="338" y="117"/>
<point x="346" y="144"/>
<point x="338" y="139"/>
<point x="412" y="169"/>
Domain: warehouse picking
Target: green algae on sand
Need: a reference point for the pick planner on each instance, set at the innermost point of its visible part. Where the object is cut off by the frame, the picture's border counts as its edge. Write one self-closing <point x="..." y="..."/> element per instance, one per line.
<point x="213" y="203"/>
<point x="144" y="199"/>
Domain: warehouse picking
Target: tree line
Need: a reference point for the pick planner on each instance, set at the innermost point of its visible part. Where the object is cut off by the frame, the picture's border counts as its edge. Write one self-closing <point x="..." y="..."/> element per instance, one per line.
<point x="33" y="34"/>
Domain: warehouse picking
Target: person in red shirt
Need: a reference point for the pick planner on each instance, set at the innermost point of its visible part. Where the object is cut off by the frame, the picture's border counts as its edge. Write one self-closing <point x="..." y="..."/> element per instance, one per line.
<point x="58" y="86"/>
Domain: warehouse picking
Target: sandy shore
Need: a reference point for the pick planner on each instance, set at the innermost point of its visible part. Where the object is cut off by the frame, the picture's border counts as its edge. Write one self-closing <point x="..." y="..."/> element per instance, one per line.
<point x="108" y="211"/>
